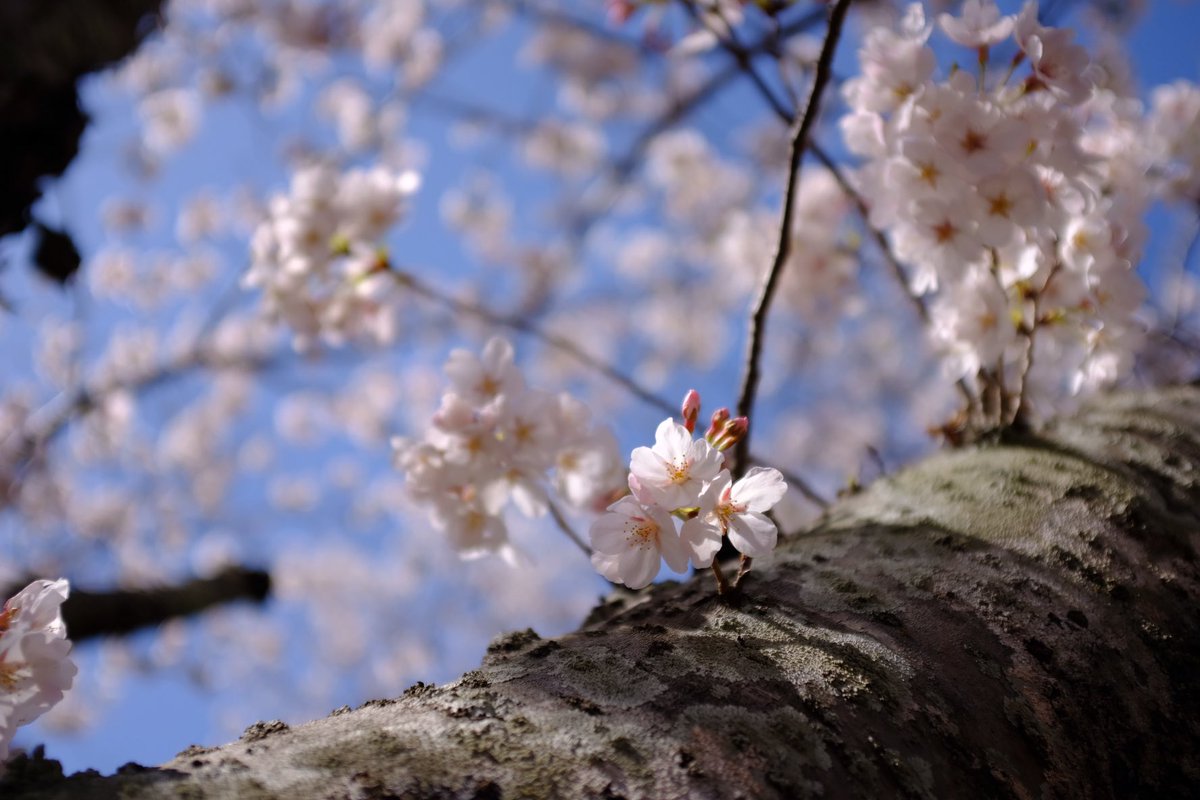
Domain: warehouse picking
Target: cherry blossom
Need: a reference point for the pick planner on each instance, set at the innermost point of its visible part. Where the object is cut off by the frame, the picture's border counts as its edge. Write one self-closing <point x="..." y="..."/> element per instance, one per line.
<point x="1018" y="210"/>
<point x="1054" y="58"/>
<point x="35" y="665"/>
<point x="492" y="441"/>
<point x="737" y="509"/>
<point x="673" y="471"/>
<point x="318" y="256"/>
<point x="980" y="24"/>
<point x="631" y="540"/>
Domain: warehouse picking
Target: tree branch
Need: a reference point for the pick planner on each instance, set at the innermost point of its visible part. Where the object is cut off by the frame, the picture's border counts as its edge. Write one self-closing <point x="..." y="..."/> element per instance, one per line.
<point x="1006" y="621"/>
<point x="89" y="614"/>
<point x="802" y="128"/>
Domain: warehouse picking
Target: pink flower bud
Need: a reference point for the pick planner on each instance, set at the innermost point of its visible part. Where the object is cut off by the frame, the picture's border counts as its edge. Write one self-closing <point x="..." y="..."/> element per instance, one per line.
<point x="733" y="432"/>
<point x="619" y="11"/>
<point x="719" y="418"/>
<point x="691" y="410"/>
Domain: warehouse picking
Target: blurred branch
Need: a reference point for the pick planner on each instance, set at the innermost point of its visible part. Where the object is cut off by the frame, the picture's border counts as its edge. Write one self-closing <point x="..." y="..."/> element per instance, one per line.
<point x="89" y="614"/>
<point x="540" y="12"/>
<point x="523" y="325"/>
<point x="72" y="404"/>
<point x="624" y="167"/>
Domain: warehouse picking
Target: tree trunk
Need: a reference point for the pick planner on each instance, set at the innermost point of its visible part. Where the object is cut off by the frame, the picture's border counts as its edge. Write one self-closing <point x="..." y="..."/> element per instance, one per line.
<point x="1009" y="620"/>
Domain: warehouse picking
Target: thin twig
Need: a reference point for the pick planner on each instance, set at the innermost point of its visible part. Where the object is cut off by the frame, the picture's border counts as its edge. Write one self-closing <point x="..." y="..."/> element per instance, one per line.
<point x="525" y="326"/>
<point x="565" y="526"/>
<point x="743" y="568"/>
<point x="802" y="128"/>
<point x="623" y="168"/>
<point x="722" y="582"/>
<point x="744" y="58"/>
<point x="1022" y="396"/>
<point x="803" y="486"/>
<point x="50" y="423"/>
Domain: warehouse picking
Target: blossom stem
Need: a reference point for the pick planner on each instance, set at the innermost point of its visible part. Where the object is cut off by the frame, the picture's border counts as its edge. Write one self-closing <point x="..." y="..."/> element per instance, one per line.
<point x="802" y="127"/>
<point x="722" y="583"/>
<point x="1030" y="332"/>
<point x="565" y="526"/>
<point x="743" y="568"/>
<point x="523" y="325"/>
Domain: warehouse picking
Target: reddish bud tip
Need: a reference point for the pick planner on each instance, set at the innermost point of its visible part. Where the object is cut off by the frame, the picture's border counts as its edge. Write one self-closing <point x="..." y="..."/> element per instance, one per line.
<point x="719" y="418"/>
<point x="733" y="432"/>
<point x="619" y="11"/>
<point x="691" y="410"/>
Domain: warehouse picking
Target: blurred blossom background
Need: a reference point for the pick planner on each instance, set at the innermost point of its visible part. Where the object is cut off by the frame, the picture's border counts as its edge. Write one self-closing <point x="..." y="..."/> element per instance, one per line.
<point x="613" y="184"/>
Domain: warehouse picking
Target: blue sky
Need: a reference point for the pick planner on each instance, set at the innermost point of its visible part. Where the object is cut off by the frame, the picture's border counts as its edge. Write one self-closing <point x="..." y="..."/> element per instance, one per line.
<point x="160" y="713"/>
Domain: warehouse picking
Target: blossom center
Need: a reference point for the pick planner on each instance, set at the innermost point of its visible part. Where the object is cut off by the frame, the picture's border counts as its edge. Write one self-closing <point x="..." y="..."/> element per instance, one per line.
<point x="488" y="386"/>
<point x="944" y="231"/>
<point x="8" y="676"/>
<point x="973" y="141"/>
<point x="929" y="173"/>
<point x="640" y="532"/>
<point x="1000" y="206"/>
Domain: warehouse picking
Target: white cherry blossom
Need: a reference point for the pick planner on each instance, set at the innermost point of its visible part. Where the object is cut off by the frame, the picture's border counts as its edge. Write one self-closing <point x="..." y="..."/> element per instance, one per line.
<point x="737" y="509"/>
<point x="631" y="540"/>
<point x="672" y="472"/>
<point x="979" y="24"/>
<point x="35" y="665"/>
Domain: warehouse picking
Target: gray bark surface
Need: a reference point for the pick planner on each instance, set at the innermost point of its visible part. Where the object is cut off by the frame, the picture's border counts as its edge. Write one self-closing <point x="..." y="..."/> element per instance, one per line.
<point x="1009" y="620"/>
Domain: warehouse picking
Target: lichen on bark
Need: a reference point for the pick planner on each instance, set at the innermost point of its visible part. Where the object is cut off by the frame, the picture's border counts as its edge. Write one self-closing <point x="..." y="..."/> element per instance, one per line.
<point x="1011" y="620"/>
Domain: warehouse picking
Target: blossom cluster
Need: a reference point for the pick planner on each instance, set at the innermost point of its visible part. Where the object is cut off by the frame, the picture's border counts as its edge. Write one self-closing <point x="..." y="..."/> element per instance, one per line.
<point x="682" y="477"/>
<point x="1173" y="135"/>
<point x="35" y="665"/>
<point x="319" y="259"/>
<point x="494" y="440"/>
<point x="998" y="199"/>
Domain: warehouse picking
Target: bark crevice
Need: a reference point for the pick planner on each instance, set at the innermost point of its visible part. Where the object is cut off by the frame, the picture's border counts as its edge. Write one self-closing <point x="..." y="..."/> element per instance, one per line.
<point x="1013" y="620"/>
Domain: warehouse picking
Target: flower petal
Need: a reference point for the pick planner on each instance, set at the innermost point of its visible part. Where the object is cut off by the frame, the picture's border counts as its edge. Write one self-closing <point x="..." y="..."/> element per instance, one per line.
<point x="674" y="551"/>
<point x="760" y="489"/>
<point x="752" y="534"/>
<point x="638" y="566"/>
<point x="703" y="541"/>
<point x="671" y="440"/>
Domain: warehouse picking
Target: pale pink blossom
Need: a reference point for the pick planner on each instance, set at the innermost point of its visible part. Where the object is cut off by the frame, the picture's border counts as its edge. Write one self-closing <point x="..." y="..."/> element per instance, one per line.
<point x="631" y="540"/>
<point x="672" y="472"/>
<point x="979" y="24"/>
<point x="737" y="510"/>
<point x="35" y="665"/>
<point x="482" y="378"/>
<point x="1059" y="62"/>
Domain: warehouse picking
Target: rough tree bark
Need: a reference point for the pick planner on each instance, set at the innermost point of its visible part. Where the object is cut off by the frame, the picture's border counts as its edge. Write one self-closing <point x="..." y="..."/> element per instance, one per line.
<point x="1011" y="620"/>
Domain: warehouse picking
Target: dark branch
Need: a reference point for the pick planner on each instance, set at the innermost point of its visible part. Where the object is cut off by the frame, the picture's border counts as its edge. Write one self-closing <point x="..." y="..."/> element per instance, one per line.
<point x="802" y="130"/>
<point x="89" y="614"/>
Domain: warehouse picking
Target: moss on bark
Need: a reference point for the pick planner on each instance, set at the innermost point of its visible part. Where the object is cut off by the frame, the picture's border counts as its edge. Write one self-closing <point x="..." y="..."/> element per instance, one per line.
<point x="1014" y="620"/>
